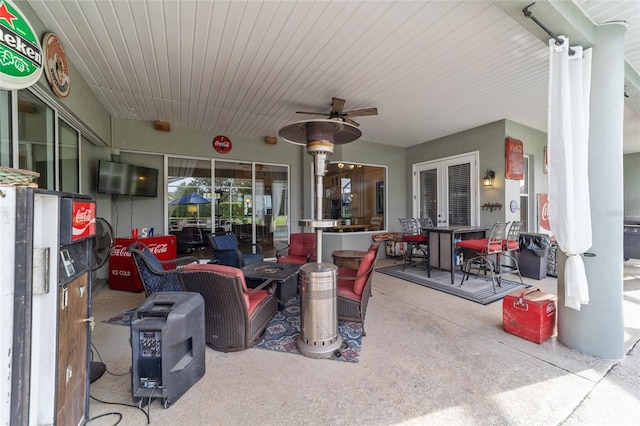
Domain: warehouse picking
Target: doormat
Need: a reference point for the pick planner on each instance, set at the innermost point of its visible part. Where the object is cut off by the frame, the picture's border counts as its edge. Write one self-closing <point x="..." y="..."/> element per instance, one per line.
<point x="283" y="330"/>
<point x="476" y="289"/>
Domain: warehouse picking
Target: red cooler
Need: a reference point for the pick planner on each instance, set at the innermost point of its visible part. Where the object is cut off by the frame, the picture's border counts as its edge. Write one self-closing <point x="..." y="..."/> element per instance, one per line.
<point x="529" y="313"/>
<point x="123" y="274"/>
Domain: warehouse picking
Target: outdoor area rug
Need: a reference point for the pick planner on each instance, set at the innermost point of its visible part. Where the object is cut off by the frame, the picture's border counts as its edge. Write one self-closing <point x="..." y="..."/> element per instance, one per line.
<point x="283" y="330"/>
<point x="476" y="289"/>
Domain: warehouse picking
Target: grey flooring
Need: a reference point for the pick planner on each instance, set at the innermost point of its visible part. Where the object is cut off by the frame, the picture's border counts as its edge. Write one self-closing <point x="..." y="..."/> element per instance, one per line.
<point x="428" y="359"/>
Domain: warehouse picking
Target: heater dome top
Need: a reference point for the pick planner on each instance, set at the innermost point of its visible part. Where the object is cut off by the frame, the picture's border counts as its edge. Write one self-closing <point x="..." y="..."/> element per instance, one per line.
<point x="337" y="132"/>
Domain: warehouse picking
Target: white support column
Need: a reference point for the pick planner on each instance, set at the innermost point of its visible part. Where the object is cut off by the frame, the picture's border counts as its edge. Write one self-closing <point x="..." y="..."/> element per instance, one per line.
<point x="598" y="328"/>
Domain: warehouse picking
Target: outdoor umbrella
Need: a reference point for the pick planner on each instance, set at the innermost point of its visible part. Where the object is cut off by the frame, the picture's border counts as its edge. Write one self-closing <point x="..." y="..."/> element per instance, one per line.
<point x="191" y="198"/>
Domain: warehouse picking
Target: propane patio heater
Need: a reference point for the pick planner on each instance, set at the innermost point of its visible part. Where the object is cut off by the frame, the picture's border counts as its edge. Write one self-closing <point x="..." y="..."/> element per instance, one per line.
<point x="319" y="336"/>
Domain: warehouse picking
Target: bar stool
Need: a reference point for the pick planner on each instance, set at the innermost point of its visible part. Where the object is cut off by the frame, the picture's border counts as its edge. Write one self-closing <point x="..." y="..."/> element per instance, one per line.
<point x="488" y="251"/>
<point x="510" y="245"/>
<point x="416" y="240"/>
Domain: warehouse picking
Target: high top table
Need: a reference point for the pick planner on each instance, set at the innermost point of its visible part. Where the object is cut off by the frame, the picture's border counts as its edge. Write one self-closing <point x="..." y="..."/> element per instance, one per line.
<point x="442" y="247"/>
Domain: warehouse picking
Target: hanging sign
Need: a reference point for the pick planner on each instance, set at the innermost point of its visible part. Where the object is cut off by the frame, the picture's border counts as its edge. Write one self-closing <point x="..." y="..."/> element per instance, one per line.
<point x="20" y="51"/>
<point x="222" y="144"/>
<point x="543" y="214"/>
<point x="514" y="159"/>
<point x="56" y="66"/>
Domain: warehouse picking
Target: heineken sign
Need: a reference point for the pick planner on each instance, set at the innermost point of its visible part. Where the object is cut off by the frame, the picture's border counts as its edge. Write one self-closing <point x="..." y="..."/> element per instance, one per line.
<point x="20" y="51"/>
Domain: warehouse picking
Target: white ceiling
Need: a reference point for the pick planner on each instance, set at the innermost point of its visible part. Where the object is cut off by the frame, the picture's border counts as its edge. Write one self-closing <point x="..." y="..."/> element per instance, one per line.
<point x="432" y="68"/>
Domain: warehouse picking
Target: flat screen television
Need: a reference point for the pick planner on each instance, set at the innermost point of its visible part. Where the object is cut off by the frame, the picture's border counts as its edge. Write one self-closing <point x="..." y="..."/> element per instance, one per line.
<point x="127" y="179"/>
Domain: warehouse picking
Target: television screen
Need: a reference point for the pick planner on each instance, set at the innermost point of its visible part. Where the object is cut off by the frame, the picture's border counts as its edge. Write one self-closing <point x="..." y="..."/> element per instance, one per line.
<point x="143" y="181"/>
<point x="126" y="179"/>
<point x="113" y="178"/>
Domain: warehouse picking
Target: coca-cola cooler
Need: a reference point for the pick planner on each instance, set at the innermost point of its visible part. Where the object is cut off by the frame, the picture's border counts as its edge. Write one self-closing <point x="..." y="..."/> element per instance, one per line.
<point x="123" y="274"/>
<point x="45" y="306"/>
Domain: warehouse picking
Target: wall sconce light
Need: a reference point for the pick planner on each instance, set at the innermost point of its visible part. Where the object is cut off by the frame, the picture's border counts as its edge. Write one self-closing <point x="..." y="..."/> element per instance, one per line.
<point x="351" y="166"/>
<point x="487" y="181"/>
<point x="340" y="165"/>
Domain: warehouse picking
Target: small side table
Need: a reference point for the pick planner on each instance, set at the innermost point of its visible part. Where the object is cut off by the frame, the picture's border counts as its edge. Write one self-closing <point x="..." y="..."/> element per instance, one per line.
<point x="348" y="258"/>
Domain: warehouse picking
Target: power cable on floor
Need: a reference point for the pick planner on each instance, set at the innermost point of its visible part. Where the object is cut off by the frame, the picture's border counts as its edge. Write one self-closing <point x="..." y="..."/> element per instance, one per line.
<point x="123" y="404"/>
<point x="113" y="413"/>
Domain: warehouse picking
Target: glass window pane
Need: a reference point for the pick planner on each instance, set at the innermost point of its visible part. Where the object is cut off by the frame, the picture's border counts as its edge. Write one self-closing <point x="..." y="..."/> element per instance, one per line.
<point x="459" y="194"/>
<point x="36" y="138"/>
<point x="354" y="195"/>
<point x="69" y="158"/>
<point x="189" y="176"/>
<point x="5" y="129"/>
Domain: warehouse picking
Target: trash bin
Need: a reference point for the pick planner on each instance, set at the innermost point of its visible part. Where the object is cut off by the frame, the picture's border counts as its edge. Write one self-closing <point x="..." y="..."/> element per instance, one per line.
<point x="533" y="255"/>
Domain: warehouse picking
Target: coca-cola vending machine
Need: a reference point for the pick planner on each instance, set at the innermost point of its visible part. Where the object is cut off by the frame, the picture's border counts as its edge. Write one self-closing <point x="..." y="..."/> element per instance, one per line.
<point x="45" y="306"/>
<point x="123" y="274"/>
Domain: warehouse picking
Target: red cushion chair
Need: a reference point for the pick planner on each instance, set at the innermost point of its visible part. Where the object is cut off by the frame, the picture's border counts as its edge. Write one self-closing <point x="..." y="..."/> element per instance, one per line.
<point x="235" y="315"/>
<point x="416" y="241"/>
<point x="354" y="288"/>
<point x="487" y="254"/>
<point x="301" y="249"/>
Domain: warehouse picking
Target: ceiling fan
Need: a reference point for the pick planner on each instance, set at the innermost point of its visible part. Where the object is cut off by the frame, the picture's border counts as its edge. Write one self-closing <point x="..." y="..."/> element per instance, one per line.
<point x="337" y="106"/>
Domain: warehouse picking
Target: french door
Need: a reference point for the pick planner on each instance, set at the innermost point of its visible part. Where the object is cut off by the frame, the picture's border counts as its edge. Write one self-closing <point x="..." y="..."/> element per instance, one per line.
<point x="446" y="190"/>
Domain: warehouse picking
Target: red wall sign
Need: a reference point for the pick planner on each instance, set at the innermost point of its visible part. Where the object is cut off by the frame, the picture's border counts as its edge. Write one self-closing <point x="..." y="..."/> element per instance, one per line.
<point x="84" y="219"/>
<point x="222" y="144"/>
<point x="514" y="159"/>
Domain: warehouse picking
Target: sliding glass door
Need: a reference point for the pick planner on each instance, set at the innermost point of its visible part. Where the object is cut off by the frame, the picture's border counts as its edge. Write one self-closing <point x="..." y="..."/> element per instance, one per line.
<point x="249" y="199"/>
<point x="445" y="190"/>
<point x="252" y="201"/>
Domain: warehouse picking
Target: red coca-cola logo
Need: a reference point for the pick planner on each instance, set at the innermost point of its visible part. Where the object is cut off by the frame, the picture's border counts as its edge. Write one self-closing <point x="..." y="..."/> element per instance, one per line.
<point x="120" y="251"/>
<point x="222" y="144"/>
<point x="159" y="248"/>
<point x="84" y="219"/>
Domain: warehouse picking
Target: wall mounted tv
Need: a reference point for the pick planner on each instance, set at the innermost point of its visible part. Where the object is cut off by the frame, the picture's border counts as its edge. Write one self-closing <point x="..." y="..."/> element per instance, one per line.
<point x="127" y="179"/>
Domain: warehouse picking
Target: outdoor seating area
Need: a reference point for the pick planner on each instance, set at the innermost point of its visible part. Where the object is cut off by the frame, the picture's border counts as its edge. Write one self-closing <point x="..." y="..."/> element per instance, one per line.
<point x="406" y="325"/>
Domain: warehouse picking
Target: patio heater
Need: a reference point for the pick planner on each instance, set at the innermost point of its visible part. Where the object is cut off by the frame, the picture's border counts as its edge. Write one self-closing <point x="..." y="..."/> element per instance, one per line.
<point x="319" y="336"/>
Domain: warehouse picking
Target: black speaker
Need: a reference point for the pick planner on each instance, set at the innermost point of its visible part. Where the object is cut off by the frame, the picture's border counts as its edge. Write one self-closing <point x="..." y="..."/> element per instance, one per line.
<point x="167" y="346"/>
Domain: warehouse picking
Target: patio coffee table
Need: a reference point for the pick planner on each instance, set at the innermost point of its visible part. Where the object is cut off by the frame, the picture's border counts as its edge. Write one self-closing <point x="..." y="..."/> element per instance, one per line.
<point x="285" y="275"/>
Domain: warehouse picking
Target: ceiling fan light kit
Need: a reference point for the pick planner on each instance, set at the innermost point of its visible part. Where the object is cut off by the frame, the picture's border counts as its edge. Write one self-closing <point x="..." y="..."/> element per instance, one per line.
<point x="337" y="113"/>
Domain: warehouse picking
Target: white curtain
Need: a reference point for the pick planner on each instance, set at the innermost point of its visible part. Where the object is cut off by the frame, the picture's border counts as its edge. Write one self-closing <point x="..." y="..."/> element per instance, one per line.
<point x="568" y="137"/>
<point x="277" y="194"/>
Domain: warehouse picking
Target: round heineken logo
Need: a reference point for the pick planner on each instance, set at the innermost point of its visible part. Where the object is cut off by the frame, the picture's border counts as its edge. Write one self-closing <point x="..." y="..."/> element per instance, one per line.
<point x="20" y="51"/>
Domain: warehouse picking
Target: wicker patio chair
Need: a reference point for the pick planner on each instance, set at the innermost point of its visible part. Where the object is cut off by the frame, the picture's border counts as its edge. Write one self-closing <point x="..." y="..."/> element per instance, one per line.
<point x="354" y="288"/>
<point x="157" y="275"/>
<point x="301" y="249"/>
<point x="235" y="316"/>
<point x="226" y="250"/>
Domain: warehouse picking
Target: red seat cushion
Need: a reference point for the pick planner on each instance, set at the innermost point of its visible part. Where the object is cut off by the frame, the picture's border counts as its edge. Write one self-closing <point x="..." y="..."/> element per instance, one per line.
<point x="510" y="245"/>
<point x="299" y="260"/>
<point x="477" y="245"/>
<point x="418" y="238"/>
<point x="252" y="300"/>
<point x="345" y="287"/>
<point x="301" y="244"/>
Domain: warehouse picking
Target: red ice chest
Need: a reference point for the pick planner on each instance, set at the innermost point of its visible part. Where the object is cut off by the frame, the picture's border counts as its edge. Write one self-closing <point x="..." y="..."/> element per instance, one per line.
<point x="123" y="274"/>
<point x="529" y="313"/>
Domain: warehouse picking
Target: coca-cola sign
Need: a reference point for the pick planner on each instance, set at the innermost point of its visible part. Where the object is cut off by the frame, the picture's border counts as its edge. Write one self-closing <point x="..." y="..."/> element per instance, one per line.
<point x="120" y="251"/>
<point x="159" y="248"/>
<point x="84" y="219"/>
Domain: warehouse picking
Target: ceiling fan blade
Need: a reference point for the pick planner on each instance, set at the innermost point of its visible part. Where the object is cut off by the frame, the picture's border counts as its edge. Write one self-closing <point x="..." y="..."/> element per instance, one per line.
<point x="361" y="112"/>
<point x="337" y="105"/>
<point x="311" y="113"/>
<point x="350" y="121"/>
